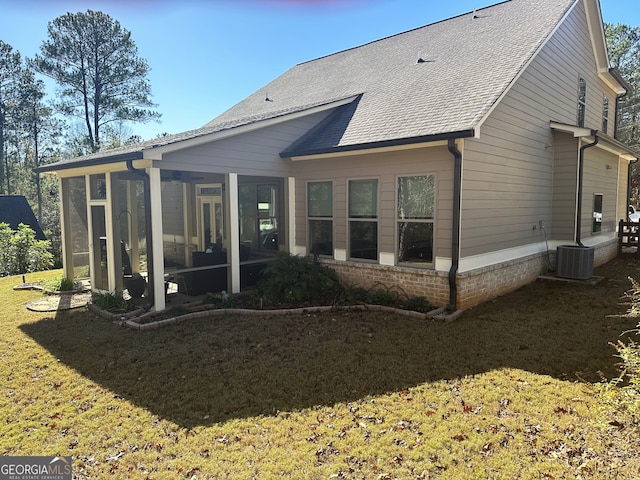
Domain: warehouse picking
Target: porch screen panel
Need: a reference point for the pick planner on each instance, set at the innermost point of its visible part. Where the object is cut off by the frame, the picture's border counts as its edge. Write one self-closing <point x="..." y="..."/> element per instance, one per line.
<point x="75" y="191"/>
<point x="363" y="219"/>
<point x="415" y="215"/>
<point x="173" y="234"/>
<point x="320" y="217"/>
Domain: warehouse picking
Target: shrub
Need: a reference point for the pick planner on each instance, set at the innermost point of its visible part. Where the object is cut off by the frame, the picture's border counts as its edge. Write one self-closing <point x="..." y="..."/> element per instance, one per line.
<point x="417" y="304"/>
<point x="294" y="278"/>
<point x="383" y="296"/>
<point x="20" y="252"/>
<point x="352" y="295"/>
<point x="622" y="394"/>
<point x="61" y="284"/>
<point x="110" y="301"/>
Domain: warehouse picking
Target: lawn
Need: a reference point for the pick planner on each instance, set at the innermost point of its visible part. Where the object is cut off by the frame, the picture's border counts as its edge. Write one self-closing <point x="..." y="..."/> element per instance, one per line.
<point x="506" y="391"/>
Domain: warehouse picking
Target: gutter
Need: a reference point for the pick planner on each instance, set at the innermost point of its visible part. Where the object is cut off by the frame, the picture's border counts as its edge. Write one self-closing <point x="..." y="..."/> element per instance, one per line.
<point x="148" y="229"/>
<point x="580" y="181"/>
<point x="455" y="228"/>
<point x="91" y="162"/>
<point x="397" y="142"/>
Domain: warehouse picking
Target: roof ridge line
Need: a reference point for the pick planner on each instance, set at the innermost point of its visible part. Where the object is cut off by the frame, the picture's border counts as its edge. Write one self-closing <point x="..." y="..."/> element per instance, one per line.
<point x="401" y="33"/>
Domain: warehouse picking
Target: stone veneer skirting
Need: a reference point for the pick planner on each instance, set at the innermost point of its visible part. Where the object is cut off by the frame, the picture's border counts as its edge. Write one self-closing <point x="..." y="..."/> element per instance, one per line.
<point x="474" y="287"/>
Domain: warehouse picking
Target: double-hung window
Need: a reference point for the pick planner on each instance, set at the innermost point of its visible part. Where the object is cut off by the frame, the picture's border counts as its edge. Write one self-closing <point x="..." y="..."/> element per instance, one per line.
<point x="320" y="217"/>
<point x="582" y="101"/>
<point x="363" y="219"/>
<point x="415" y="215"/>
<point x="597" y="213"/>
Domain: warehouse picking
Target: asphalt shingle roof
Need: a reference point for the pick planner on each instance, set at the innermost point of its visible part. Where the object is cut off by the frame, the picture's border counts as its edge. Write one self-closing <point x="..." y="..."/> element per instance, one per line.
<point x="14" y="210"/>
<point x="469" y="61"/>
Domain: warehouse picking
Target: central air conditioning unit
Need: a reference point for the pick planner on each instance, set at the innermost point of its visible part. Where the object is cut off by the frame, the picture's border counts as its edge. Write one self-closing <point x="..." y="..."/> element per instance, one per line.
<point x="574" y="262"/>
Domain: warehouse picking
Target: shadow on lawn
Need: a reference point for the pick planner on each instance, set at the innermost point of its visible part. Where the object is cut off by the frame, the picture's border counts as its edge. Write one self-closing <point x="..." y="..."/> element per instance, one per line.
<point x="211" y="370"/>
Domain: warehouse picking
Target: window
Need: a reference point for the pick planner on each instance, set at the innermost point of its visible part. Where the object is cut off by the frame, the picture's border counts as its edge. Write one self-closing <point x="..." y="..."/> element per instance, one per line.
<point x="98" y="186"/>
<point x="597" y="213"/>
<point x="259" y="212"/>
<point x="582" y="101"/>
<point x="416" y="206"/>
<point x="363" y="219"/>
<point x="320" y="217"/>
<point x="605" y="114"/>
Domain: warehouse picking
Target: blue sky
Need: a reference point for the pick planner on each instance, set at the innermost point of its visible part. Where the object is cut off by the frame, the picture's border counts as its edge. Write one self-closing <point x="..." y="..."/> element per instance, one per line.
<point x="207" y="55"/>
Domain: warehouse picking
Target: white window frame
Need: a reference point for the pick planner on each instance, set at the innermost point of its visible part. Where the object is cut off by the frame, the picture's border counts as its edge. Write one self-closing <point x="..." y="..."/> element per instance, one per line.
<point x="375" y="219"/>
<point x="398" y="221"/>
<point x="324" y="219"/>
<point x="582" y="102"/>
<point x="605" y="114"/>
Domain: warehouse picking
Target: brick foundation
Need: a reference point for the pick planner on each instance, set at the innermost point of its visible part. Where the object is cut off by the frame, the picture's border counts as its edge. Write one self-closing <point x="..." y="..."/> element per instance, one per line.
<point x="474" y="287"/>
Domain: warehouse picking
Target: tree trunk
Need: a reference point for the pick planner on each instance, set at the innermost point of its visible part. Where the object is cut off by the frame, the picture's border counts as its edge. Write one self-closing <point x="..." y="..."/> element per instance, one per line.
<point x="1" y="152"/>
<point x="36" y="164"/>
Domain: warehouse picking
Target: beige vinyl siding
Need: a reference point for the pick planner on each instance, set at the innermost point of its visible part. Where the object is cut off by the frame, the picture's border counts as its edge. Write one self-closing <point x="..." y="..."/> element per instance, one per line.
<point x="565" y="181"/>
<point x="386" y="167"/>
<point x="254" y="153"/>
<point x="600" y="179"/>
<point x="508" y="176"/>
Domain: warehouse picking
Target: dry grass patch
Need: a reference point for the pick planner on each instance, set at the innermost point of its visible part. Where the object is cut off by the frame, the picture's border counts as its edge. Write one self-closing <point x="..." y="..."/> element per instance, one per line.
<point x="504" y="392"/>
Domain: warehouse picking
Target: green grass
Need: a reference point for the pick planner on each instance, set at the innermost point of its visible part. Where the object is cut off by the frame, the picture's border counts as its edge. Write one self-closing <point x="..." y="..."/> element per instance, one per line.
<point x="506" y="391"/>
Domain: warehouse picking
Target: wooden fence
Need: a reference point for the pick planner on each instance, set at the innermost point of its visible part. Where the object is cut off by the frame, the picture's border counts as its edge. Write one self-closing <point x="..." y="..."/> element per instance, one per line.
<point x="628" y="235"/>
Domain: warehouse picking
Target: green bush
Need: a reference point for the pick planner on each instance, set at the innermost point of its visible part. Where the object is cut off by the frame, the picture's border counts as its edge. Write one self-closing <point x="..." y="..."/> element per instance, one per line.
<point x="20" y="252"/>
<point x="383" y="296"/>
<point x="61" y="284"/>
<point x="353" y="295"/>
<point x="417" y="304"/>
<point x="112" y="302"/>
<point x="294" y="278"/>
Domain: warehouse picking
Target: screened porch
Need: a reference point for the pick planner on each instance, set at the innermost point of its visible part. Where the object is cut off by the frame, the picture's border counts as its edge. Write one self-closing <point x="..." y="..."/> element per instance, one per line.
<point x="171" y="231"/>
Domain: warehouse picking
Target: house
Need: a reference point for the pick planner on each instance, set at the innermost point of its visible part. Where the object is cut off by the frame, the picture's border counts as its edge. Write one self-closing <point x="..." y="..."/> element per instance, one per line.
<point x="14" y="210"/>
<point x="451" y="160"/>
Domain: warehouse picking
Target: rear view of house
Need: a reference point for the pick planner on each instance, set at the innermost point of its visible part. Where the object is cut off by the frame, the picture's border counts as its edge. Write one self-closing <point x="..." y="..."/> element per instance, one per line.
<point x="450" y="160"/>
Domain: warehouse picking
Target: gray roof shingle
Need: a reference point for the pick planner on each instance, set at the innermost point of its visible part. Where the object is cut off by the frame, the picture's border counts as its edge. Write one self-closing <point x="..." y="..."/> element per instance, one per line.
<point x="469" y="62"/>
<point x="15" y="209"/>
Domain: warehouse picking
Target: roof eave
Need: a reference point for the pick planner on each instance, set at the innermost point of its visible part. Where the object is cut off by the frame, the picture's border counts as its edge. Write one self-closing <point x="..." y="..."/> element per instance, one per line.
<point x="360" y="147"/>
<point x="615" y="146"/>
<point x="90" y="162"/>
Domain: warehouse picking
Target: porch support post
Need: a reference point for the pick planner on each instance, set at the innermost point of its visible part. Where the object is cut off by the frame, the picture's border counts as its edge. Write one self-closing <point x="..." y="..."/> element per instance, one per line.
<point x="187" y="207"/>
<point x="93" y="248"/>
<point x="291" y="214"/>
<point x="112" y="253"/>
<point x="65" y="231"/>
<point x="155" y="188"/>
<point x="234" y="232"/>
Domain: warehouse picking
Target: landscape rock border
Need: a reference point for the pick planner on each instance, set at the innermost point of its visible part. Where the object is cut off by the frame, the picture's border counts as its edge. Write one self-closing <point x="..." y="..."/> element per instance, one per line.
<point x="135" y="319"/>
